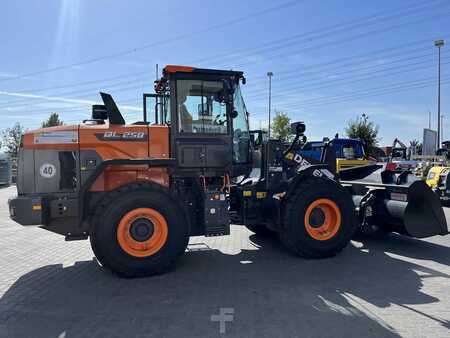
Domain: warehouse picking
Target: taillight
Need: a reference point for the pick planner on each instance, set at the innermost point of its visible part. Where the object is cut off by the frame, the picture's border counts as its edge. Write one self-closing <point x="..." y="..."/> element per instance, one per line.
<point x="391" y="166"/>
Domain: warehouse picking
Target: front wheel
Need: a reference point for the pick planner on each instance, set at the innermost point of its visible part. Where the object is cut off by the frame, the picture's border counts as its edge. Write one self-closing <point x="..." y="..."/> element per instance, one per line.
<point x="140" y="231"/>
<point x="319" y="219"/>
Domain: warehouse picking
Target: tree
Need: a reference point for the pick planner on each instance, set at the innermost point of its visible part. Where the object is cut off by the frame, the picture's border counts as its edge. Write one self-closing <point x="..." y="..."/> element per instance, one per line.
<point x="281" y="126"/>
<point x="365" y="130"/>
<point x="12" y="137"/>
<point x="419" y="149"/>
<point x="414" y="145"/>
<point x="52" y="121"/>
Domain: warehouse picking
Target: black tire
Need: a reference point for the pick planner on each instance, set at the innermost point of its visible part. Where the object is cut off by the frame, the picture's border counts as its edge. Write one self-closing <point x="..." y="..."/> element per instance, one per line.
<point x="294" y="234"/>
<point x="118" y="203"/>
<point x="260" y="230"/>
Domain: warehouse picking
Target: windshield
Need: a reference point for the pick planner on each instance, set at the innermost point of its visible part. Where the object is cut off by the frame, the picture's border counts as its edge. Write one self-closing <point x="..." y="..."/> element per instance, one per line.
<point x="241" y="135"/>
<point x="348" y="149"/>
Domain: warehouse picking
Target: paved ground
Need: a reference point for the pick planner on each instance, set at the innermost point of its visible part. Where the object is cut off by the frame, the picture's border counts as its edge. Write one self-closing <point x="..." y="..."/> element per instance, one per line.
<point x="396" y="287"/>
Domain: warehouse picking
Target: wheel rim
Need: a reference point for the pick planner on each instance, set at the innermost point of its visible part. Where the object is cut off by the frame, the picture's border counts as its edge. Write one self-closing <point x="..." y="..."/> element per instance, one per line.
<point x="322" y="219"/>
<point x="142" y="232"/>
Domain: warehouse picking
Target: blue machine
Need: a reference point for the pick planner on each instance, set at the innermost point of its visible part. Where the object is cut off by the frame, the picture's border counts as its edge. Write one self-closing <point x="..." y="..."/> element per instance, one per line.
<point x="313" y="149"/>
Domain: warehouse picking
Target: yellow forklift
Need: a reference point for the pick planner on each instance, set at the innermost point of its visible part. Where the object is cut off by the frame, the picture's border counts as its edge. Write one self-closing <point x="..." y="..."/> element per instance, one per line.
<point x="438" y="178"/>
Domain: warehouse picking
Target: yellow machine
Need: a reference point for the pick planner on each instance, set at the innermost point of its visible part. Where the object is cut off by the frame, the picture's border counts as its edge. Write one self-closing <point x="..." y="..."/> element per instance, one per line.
<point x="433" y="176"/>
<point x="438" y="179"/>
<point x="349" y="153"/>
<point x="342" y="163"/>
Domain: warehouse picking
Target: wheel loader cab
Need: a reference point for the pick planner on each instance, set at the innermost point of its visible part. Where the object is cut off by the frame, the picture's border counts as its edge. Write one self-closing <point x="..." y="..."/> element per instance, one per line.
<point x="207" y="117"/>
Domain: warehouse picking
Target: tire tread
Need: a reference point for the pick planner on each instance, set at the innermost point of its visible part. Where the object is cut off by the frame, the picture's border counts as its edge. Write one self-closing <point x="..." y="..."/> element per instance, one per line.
<point x="102" y="208"/>
<point x="286" y="235"/>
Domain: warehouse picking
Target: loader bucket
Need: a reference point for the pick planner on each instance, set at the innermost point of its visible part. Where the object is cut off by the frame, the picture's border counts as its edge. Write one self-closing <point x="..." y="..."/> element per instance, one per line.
<point x="422" y="215"/>
<point x="399" y="200"/>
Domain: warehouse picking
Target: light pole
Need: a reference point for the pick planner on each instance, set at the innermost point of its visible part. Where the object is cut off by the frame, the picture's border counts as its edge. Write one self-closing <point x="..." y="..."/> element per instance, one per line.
<point x="269" y="75"/>
<point x="439" y="44"/>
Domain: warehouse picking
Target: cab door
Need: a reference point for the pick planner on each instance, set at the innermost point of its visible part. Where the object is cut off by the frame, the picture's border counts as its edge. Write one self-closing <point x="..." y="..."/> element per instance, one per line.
<point x="202" y="134"/>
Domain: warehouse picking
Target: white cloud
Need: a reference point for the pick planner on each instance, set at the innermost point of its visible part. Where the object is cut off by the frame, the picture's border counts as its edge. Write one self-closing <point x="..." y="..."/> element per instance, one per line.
<point x="2" y="74"/>
<point x="61" y="99"/>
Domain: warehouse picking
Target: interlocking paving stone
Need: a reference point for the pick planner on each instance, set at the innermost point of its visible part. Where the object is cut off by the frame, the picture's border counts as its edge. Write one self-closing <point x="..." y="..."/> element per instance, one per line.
<point x="394" y="287"/>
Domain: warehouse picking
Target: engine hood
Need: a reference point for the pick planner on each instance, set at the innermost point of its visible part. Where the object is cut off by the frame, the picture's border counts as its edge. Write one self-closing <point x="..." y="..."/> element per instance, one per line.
<point x="54" y="137"/>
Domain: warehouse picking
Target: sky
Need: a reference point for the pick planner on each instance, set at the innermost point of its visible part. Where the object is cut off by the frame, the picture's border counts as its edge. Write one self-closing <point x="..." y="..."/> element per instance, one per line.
<point x="332" y="60"/>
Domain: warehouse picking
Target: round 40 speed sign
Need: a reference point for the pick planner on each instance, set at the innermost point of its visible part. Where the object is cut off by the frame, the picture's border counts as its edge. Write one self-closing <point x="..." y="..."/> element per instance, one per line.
<point x="47" y="170"/>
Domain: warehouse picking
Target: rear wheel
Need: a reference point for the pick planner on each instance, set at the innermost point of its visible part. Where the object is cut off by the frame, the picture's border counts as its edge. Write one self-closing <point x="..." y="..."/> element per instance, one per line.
<point x="140" y="231"/>
<point x="319" y="219"/>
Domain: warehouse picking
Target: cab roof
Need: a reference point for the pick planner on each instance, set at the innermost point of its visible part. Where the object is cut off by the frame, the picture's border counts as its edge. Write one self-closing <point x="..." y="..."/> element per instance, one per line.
<point x="171" y="69"/>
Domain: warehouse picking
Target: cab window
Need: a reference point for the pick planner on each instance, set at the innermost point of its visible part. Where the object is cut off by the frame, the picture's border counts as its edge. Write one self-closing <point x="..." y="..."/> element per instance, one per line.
<point x="199" y="107"/>
<point x="156" y="109"/>
<point x="348" y="152"/>
<point x="241" y="134"/>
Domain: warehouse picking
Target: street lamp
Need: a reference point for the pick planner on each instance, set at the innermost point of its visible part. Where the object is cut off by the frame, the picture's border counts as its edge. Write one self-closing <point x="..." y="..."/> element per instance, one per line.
<point x="439" y="44"/>
<point x="269" y="75"/>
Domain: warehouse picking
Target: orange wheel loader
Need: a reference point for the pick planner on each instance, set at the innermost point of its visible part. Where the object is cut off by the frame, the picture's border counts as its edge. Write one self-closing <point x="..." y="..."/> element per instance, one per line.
<point x="191" y="167"/>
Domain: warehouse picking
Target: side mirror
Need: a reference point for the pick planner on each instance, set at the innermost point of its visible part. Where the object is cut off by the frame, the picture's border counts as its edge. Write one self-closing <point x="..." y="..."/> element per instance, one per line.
<point x="298" y="128"/>
<point x="234" y="114"/>
<point x="99" y="112"/>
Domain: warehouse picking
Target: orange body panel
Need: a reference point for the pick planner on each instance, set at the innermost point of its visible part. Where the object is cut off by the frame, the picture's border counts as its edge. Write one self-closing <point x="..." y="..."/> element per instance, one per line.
<point x="176" y="68"/>
<point x="155" y="144"/>
<point x="117" y="176"/>
<point x="30" y="137"/>
<point x="159" y="141"/>
<point x="109" y="150"/>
